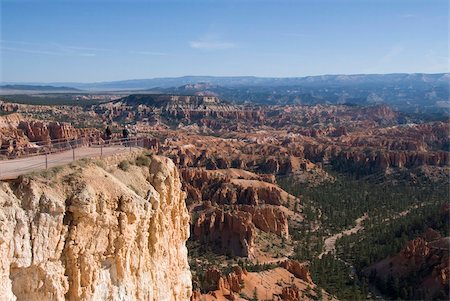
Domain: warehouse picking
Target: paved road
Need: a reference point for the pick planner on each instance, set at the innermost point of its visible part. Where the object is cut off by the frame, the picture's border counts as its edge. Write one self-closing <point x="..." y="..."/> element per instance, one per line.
<point x="11" y="169"/>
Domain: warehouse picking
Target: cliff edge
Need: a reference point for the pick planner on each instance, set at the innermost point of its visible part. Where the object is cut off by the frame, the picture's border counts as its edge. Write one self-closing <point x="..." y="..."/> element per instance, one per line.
<point x="94" y="231"/>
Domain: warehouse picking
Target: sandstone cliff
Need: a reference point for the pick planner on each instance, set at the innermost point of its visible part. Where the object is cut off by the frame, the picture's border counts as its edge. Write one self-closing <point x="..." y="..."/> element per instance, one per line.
<point x="422" y="264"/>
<point x="92" y="231"/>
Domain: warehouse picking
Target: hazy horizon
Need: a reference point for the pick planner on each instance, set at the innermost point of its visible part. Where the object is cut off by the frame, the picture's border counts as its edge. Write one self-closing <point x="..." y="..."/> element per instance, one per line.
<point x="212" y="76"/>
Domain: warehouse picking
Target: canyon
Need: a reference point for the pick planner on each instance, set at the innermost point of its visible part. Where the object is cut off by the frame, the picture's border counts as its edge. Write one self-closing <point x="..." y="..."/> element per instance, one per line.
<point x="238" y="179"/>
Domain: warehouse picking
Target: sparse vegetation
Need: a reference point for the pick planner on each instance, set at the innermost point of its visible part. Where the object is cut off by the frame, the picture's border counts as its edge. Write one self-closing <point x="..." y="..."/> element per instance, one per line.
<point x="142" y="160"/>
<point x="259" y="267"/>
<point x="47" y="173"/>
<point x="255" y="295"/>
<point x="124" y="165"/>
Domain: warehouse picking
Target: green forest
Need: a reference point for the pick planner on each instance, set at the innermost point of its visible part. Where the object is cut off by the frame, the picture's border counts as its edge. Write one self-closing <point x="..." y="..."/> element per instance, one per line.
<point x="397" y="211"/>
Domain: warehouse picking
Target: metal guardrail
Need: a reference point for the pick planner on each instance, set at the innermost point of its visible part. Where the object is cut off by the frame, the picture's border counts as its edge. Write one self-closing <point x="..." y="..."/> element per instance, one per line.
<point x="63" y="152"/>
<point x="35" y="149"/>
<point x="60" y="145"/>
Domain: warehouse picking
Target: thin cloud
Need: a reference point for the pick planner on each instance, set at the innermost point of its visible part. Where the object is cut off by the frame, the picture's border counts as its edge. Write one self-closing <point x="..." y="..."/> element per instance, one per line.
<point x="86" y="54"/>
<point x="210" y="45"/>
<point x="155" y="53"/>
<point x="85" y="48"/>
<point x="408" y="16"/>
<point x="31" y="51"/>
<point x="296" y="34"/>
<point x="21" y="43"/>
<point x="47" y="52"/>
<point x="49" y="48"/>
<point x="58" y="49"/>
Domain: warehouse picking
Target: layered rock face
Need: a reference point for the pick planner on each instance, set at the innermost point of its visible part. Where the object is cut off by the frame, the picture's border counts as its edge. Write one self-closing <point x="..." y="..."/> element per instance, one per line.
<point x="9" y="131"/>
<point x="298" y="269"/>
<point x="180" y="108"/>
<point x="232" y="231"/>
<point x="16" y="133"/>
<point x="11" y="120"/>
<point x="261" y="156"/>
<point x="220" y="188"/>
<point x="40" y="131"/>
<point x="92" y="234"/>
<point x="230" y="205"/>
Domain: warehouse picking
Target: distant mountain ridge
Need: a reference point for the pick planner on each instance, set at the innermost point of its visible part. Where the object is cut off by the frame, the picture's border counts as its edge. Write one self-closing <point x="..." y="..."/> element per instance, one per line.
<point x="413" y="93"/>
<point x="236" y="81"/>
<point x="46" y="88"/>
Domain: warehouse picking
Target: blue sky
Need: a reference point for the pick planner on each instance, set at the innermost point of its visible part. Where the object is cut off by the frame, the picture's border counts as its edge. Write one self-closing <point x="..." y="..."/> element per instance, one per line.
<point x="85" y="41"/>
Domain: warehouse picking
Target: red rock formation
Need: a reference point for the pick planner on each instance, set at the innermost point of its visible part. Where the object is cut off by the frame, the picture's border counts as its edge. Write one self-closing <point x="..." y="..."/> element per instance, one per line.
<point x="202" y="185"/>
<point x="196" y="295"/>
<point x="441" y="272"/>
<point x="248" y="201"/>
<point x="269" y="219"/>
<point x="290" y="293"/>
<point x="10" y="135"/>
<point x="233" y="231"/>
<point x="298" y="269"/>
<point x="215" y="280"/>
<point x="416" y="250"/>
<point x="8" y="107"/>
<point x="10" y="121"/>
<point x="427" y="261"/>
<point x="340" y="131"/>
<point x="38" y="131"/>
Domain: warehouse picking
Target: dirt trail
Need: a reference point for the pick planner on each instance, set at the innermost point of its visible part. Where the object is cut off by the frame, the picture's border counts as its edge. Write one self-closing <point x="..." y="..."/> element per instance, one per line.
<point x="330" y="242"/>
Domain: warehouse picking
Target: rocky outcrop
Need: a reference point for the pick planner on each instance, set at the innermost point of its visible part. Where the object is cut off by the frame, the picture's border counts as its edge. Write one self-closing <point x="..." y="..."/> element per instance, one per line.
<point x="10" y="120"/>
<point x="205" y="111"/>
<point x="416" y="250"/>
<point x="229" y="231"/>
<point x="241" y="203"/>
<point x="424" y="259"/>
<point x="220" y="188"/>
<point x="233" y="231"/>
<point x="269" y="219"/>
<point x="38" y="131"/>
<point x="298" y="269"/>
<point x="35" y="131"/>
<point x="291" y="293"/>
<point x="215" y="280"/>
<point x="87" y="234"/>
<point x="383" y="160"/>
<point x="7" y="107"/>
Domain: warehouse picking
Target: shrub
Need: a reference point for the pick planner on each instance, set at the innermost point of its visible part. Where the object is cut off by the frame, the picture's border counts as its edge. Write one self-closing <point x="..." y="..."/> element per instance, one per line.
<point x="142" y="161"/>
<point x="50" y="173"/>
<point x="124" y="165"/>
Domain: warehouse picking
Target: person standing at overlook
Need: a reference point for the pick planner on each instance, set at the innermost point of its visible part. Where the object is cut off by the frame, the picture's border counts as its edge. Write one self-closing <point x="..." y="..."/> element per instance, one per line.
<point x="108" y="134"/>
<point x="125" y="135"/>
